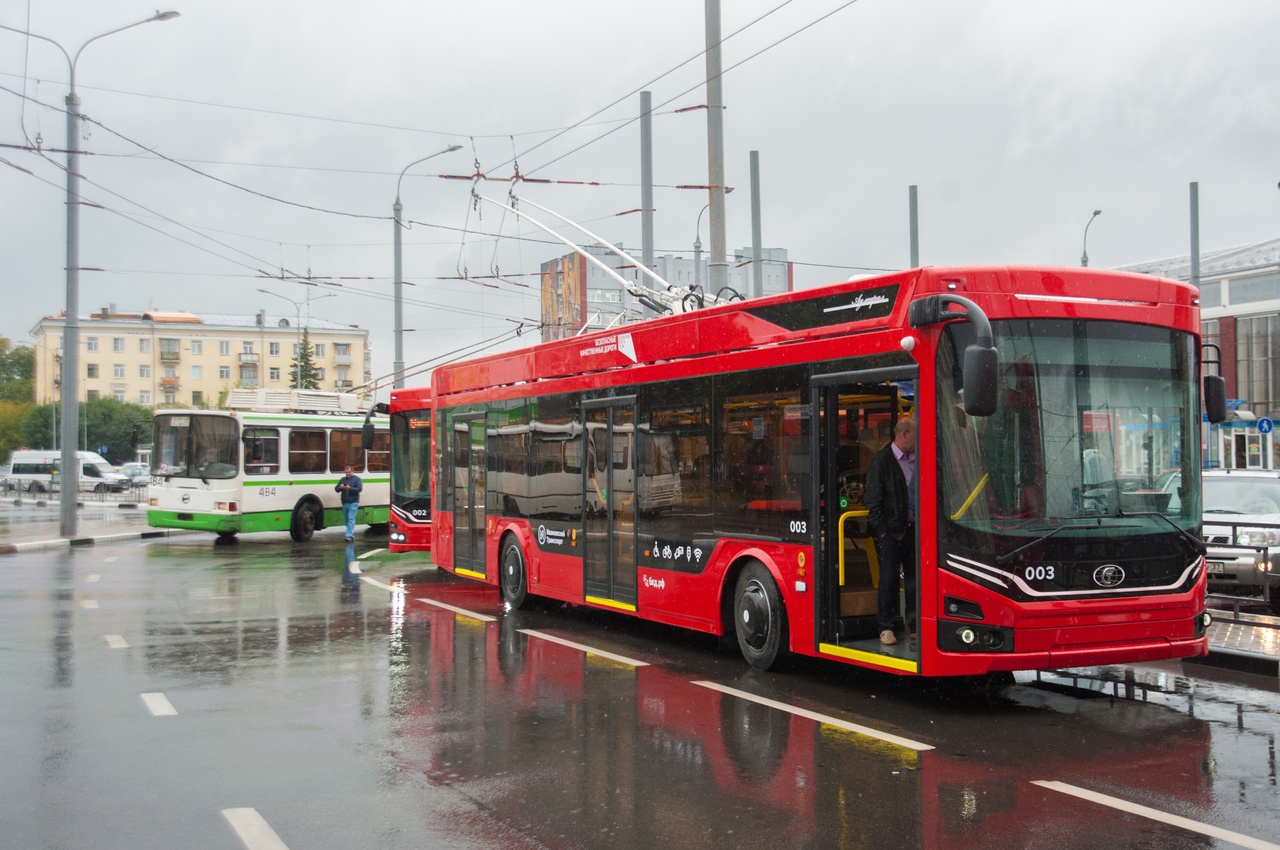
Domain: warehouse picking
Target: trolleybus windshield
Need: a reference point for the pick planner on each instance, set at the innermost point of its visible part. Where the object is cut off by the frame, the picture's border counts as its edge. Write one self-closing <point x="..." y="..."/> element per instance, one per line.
<point x="1070" y="468"/>
<point x="196" y="446"/>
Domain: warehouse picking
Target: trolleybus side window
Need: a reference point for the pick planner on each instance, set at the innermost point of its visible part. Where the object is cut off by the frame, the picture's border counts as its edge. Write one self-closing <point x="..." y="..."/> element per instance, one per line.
<point x="261" y="451"/>
<point x="379" y="457"/>
<point x="307" y="451"/>
<point x="763" y="463"/>
<point x="673" y="474"/>
<point x="345" y="450"/>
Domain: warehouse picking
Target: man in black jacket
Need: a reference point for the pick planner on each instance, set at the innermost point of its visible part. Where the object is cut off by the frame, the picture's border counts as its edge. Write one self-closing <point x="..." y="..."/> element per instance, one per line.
<point x="891" y="506"/>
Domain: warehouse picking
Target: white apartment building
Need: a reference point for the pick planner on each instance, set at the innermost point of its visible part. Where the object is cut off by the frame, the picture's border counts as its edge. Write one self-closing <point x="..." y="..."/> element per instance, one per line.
<point x="178" y="359"/>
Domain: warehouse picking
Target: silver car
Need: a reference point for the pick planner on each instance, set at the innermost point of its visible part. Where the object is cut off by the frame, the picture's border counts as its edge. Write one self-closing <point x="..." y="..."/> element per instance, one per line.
<point x="1242" y="531"/>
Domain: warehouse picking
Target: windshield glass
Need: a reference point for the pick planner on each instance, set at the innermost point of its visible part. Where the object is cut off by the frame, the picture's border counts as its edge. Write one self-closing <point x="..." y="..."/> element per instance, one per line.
<point x="196" y="446"/>
<point x="1093" y="419"/>
<point x="1236" y="494"/>
<point x="411" y="456"/>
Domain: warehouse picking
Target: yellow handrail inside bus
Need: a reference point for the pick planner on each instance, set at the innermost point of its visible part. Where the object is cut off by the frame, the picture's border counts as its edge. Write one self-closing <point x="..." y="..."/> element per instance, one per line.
<point x="968" y="503"/>
<point x="873" y="562"/>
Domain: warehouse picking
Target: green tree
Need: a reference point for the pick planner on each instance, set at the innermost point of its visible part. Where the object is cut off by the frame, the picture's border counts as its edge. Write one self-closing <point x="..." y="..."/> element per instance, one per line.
<point x="17" y="364"/>
<point x="12" y="415"/>
<point x="109" y="422"/>
<point x="103" y="422"/>
<point x="38" y="428"/>
<point x="302" y="371"/>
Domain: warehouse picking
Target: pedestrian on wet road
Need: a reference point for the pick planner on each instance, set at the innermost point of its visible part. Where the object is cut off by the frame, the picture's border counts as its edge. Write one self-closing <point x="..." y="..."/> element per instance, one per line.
<point x="350" y="486"/>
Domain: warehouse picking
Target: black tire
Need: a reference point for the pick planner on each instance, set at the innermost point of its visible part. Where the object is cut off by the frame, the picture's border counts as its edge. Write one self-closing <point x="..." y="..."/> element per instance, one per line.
<point x="514" y="579"/>
<point x="35" y="487"/>
<point x="759" y="618"/>
<point x="100" y="488"/>
<point x="226" y="538"/>
<point x="304" y="523"/>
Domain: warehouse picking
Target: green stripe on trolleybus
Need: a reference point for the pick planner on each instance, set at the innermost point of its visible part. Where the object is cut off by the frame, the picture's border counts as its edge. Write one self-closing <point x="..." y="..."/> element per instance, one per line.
<point x="249" y="523"/>
<point x="289" y="482"/>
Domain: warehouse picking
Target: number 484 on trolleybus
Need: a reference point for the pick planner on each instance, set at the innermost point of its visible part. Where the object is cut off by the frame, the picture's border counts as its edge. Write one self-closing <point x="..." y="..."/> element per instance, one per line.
<point x="707" y="469"/>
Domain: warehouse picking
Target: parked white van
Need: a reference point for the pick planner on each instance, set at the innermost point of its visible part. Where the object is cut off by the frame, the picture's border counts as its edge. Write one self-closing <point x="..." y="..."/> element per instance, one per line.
<point x="36" y="471"/>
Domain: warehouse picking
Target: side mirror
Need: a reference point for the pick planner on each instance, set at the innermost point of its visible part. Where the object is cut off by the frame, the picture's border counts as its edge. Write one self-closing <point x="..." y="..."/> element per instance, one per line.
<point x="367" y="432"/>
<point x="1215" y="398"/>
<point x="981" y="380"/>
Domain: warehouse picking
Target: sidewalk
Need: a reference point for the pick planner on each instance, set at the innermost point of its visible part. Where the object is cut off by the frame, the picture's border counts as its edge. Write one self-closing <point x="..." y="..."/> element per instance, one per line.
<point x="28" y="524"/>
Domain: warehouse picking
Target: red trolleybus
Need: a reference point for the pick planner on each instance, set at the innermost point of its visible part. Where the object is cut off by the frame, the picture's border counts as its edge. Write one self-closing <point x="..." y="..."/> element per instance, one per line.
<point x="1048" y="403"/>
<point x="410" y="411"/>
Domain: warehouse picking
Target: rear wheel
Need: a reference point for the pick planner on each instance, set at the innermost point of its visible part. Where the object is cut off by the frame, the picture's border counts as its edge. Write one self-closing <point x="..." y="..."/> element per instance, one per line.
<point x="758" y="617"/>
<point x="515" y="581"/>
<point x="305" y="522"/>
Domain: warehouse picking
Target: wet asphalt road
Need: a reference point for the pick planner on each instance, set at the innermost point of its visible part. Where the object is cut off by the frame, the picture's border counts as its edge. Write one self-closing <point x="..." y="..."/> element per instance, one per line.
<point x="173" y="693"/>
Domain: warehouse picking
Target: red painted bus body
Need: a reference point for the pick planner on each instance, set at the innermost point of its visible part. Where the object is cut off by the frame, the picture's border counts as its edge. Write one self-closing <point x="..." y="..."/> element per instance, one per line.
<point x="410" y="517"/>
<point x="705" y="470"/>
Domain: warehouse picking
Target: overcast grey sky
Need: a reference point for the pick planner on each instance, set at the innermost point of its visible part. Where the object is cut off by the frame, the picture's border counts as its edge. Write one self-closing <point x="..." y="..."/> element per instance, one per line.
<point x="1015" y="119"/>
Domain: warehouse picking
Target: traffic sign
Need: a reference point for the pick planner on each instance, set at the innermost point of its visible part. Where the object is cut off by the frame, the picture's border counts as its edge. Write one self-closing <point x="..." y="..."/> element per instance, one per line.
<point x="1264" y="425"/>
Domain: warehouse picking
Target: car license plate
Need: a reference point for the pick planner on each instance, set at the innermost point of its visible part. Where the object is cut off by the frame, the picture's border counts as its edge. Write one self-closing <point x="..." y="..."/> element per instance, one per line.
<point x="1217" y="568"/>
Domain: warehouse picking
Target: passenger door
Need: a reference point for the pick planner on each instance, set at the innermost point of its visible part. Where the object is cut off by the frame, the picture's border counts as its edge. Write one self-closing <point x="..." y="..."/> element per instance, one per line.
<point x="469" y="495"/>
<point x="609" y="513"/>
<point x="856" y="415"/>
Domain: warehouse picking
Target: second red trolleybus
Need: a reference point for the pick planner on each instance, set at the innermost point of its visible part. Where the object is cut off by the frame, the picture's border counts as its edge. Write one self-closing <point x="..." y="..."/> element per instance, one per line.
<point x="706" y="469"/>
<point x="410" y="411"/>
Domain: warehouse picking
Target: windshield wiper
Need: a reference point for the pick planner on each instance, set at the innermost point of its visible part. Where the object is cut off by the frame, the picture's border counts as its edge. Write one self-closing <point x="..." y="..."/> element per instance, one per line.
<point x="1191" y="538"/>
<point x="1009" y="556"/>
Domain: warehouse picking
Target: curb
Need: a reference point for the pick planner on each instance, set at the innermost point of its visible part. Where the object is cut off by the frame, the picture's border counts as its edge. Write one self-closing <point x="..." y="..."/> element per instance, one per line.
<point x="76" y="542"/>
<point x="1239" y="661"/>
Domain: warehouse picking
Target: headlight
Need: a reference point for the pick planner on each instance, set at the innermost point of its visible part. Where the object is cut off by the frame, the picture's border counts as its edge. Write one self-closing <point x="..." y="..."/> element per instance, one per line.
<point x="1256" y="537"/>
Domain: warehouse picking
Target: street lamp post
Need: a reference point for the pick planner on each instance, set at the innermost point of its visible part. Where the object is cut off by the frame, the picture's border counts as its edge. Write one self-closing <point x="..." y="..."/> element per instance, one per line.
<point x="1084" y="254"/>
<point x="398" y="366"/>
<point x="70" y="475"/>
<point x="297" y="306"/>
<point x="697" y="249"/>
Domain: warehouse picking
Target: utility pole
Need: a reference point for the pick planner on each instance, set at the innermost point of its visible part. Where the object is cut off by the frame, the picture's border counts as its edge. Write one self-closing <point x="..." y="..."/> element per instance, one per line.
<point x="717" y="266"/>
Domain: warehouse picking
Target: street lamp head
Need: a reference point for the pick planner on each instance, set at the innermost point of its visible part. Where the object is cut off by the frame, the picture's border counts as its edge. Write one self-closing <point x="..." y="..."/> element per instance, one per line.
<point x="1097" y="212"/>
<point x="166" y="16"/>
<point x="453" y="148"/>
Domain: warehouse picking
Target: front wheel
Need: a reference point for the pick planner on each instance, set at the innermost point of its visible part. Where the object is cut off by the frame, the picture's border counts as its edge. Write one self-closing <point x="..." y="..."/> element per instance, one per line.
<point x="514" y="580"/>
<point x="759" y="618"/>
<point x="304" y="522"/>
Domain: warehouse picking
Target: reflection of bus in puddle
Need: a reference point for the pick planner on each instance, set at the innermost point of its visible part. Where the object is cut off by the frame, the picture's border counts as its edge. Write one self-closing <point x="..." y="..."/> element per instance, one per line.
<point x="572" y="749"/>
<point x="537" y="469"/>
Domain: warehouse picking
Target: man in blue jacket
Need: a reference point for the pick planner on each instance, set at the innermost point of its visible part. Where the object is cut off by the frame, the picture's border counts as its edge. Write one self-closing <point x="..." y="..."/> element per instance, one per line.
<point x="350" y="486"/>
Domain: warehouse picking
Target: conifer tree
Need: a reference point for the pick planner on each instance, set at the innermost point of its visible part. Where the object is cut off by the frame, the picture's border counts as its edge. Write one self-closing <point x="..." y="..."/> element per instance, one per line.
<point x="302" y="372"/>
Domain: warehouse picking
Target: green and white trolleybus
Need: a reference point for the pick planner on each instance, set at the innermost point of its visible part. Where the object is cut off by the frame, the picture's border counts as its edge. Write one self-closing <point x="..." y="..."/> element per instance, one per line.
<point x="267" y="463"/>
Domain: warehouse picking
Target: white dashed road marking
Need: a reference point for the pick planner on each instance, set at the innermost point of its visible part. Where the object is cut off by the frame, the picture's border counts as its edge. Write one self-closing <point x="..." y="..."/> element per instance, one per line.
<point x="821" y="718"/>
<point x="159" y="705"/>
<point x="253" y="830"/>
<point x="1157" y="815"/>
<point x="621" y="659"/>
